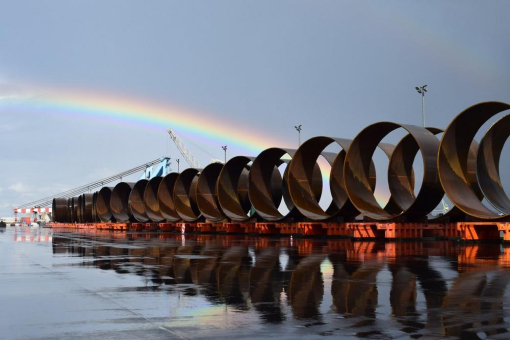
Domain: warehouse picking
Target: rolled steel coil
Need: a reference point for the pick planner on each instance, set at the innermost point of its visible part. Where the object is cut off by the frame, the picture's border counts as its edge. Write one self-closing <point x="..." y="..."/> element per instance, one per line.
<point x="150" y="200"/>
<point x="305" y="181"/>
<point x="459" y="184"/>
<point x="267" y="188"/>
<point x="59" y="208"/>
<point x="488" y="173"/>
<point x="70" y="212"/>
<point x="207" y="197"/>
<point x="185" y="195"/>
<point x="79" y="215"/>
<point x="87" y="208"/>
<point x="74" y="204"/>
<point x="95" y="217"/>
<point x="357" y="173"/>
<point x="135" y="201"/>
<point x="232" y="188"/>
<point x="253" y="188"/>
<point x="103" y="209"/>
<point x="166" y="197"/>
<point x="119" y="202"/>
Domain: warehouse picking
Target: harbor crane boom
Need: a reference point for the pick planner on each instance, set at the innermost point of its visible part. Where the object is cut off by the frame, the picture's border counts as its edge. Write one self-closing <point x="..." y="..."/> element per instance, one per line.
<point x="188" y="156"/>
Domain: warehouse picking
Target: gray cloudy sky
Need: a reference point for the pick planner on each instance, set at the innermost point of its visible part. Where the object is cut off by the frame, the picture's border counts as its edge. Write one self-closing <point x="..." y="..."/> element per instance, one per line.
<point x="332" y="66"/>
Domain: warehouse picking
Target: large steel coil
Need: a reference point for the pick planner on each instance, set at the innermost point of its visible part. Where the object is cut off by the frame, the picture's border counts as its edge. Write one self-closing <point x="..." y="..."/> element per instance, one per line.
<point x="87" y="210"/>
<point x="207" y="198"/>
<point x="70" y="212"/>
<point x="185" y="195"/>
<point x="103" y="209"/>
<point x="253" y="189"/>
<point x="166" y="197"/>
<point x="305" y="182"/>
<point x="488" y="174"/>
<point x="459" y="184"/>
<point x="95" y="217"/>
<point x="60" y="212"/>
<point x="75" y="207"/>
<point x="150" y="199"/>
<point x="267" y="188"/>
<point x="79" y="211"/>
<point x="232" y="188"/>
<point x="357" y="173"/>
<point x="136" y="204"/>
<point x="119" y="202"/>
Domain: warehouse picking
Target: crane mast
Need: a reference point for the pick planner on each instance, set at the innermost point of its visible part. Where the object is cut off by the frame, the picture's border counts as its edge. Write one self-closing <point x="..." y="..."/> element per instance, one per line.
<point x="188" y="156"/>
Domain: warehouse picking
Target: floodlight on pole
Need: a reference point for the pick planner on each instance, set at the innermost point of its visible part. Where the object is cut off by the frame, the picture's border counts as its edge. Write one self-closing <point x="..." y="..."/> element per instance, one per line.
<point x="224" y="147"/>
<point x="421" y="90"/>
<point x="298" y="129"/>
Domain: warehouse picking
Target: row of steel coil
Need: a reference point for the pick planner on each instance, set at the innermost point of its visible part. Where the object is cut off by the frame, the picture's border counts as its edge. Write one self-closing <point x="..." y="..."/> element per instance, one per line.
<point x="252" y="188"/>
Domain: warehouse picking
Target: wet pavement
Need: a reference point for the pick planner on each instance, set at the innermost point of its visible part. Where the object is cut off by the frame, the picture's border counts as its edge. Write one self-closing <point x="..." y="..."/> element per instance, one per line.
<point x="117" y="285"/>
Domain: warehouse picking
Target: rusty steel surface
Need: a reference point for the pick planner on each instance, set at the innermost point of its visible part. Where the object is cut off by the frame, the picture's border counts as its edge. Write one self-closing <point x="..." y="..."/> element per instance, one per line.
<point x="185" y="195"/>
<point x="305" y="179"/>
<point x="489" y="155"/>
<point x="79" y="211"/>
<point x="76" y="208"/>
<point x="150" y="199"/>
<point x="119" y="202"/>
<point x="254" y="189"/>
<point x="95" y="217"/>
<point x="103" y="209"/>
<point x="357" y="172"/>
<point x="265" y="184"/>
<point x="459" y="184"/>
<point x="267" y="187"/>
<point x="232" y="188"/>
<point x="59" y="208"/>
<point x="87" y="202"/>
<point x="207" y="198"/>
<point x="401" y="179"/>
<point x="166" y="197"/>
<point x="135" y="201"/>
<point x="70" y="211"/>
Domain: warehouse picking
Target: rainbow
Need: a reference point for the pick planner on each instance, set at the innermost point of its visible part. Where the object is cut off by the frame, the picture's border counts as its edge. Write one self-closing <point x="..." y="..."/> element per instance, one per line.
<point x="120" y="110"/>
<point x="142" y="114"/>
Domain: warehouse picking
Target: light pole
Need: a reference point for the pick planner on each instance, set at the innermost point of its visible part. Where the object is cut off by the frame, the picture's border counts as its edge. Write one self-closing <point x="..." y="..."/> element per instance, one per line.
<point x="178" y="160"/>
<point x="224" y="147"/>
<point x="298" y="129"/>
<point x="421" y="90"/>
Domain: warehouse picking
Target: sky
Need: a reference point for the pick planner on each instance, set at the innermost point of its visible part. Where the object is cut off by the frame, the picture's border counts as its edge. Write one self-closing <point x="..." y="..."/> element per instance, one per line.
<point x="88" y="88"/>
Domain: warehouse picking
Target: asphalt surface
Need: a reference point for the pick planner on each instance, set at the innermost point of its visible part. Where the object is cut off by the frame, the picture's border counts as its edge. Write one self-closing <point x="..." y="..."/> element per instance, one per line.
<point x="113" y="285"/>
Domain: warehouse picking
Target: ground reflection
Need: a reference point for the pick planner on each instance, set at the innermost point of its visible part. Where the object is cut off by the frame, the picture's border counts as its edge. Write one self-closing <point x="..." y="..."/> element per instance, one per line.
<point x="364" y="289"/>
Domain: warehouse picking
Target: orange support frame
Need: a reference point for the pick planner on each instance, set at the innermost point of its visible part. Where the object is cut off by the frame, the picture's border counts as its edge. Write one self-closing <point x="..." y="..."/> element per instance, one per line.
<point x="467" y="231"/>
<point x="479" y="231"/>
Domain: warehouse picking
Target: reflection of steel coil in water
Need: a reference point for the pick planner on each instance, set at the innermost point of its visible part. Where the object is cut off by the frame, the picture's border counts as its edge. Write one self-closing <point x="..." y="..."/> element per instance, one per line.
<point x="241" y="190"/>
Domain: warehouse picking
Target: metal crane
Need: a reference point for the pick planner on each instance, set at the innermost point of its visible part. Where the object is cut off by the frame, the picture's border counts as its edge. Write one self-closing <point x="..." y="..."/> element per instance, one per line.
<point x="188" y="156"/>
